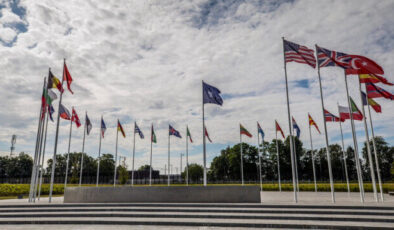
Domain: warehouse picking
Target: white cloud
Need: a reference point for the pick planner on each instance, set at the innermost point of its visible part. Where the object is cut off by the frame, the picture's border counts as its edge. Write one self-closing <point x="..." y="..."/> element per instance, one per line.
<point x="7" y="35"/>
<point x="144" y="61"/>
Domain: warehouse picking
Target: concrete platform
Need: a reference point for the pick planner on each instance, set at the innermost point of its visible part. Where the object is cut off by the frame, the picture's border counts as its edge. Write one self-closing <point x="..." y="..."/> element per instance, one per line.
<point x="154" y="194"/>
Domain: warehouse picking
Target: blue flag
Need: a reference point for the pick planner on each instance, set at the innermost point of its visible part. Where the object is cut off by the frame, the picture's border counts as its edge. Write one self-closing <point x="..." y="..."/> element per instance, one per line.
<point x="174" y="132"/>
<point x="297" y="129"/>
<point x="88" y="124"/>
<point x="138" y="130"/>
<point x="260" y="130"/>
<point x="211" y="94"/>
<point x="103" y="127"/>
<point x="51" y="111"/>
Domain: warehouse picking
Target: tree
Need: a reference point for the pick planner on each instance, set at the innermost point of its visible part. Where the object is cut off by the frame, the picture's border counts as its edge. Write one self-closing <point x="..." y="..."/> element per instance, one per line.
<point x="144" y="168"/>
<point x="16" y="167"/>
<point x="123" y="174"/>
<point x="195" y="172"/>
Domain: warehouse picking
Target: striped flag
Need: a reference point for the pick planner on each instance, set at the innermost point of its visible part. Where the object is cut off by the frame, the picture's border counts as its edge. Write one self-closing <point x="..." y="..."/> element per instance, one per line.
<point x="372" y="103"/>
<point x="153" y="136"/>
<point x="67" y="77"/>
<point x="103" y="127"/>
<point x="88" y="124"/>
<point x="138" y="130"/>
<point x="244" y="131"/>
<point x="207" y="135"/>
<point x="299" y="53"/>
<point x="278" y="128"/>
<point x="312" y="122"/>
<point x="75" y="118"/>
<point x="120" y="128"/>
<point x="373" y="78"/>
<point x="375" y="91"/>
<point x="260" y="131"/>
<point x="188" y="134"/>
<point x="344" y="112"/>
<point x="64" y="113"/>
<point x="331" y="117"/>
<point x="295" y="127"/>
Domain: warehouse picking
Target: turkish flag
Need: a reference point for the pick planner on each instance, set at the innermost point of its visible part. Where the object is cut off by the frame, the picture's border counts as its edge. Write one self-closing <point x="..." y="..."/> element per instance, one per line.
<point x="363" y="65"/>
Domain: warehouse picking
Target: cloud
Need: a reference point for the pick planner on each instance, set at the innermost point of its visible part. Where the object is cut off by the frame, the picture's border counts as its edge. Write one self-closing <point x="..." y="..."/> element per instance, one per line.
<point x="144" y="61"/>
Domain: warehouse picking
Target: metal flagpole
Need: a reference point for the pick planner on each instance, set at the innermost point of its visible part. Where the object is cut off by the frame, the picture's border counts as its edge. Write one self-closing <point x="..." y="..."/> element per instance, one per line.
<point x="326" y="136"/>
<point x="56" y="138"/>
<point x="367" y="143"/>
<point x="359" y="174"/>
<point x="313" y="158"/>
<point x="180" y="169"/>
<point x="150" y="161"/>
<point x="296" y="163"/>
<point x="277" y="158"/>
<point x="374" y="148"/>
<point x="116" y="153"/>
<point x="43" y="156"/>
<point x="168" y="180"/>
<point x="290" y="129"/>
<point x="187" y="158"/>
<point x="99" y="153"/>
<point x="83" y="149"/>
<point x="344" y="156"/>
<point x="203" y="138"/>
<point x="69" y="145"/>
<point x="36" y="148"/>
<point x="242" y="162"/>
<point x="258" y="154"/>
<point x="132" y="167"/>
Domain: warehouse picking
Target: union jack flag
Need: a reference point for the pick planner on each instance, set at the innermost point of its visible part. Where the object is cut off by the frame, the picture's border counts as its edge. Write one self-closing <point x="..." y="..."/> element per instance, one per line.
<point x="298" y="53"/>
<point x="331" y="117"/>
<point x="327" y="57"/>
<point x="174" y="132"/>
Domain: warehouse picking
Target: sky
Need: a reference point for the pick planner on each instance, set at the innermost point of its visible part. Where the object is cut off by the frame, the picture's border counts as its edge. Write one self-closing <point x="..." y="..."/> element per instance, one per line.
<point x="143" y="61"/>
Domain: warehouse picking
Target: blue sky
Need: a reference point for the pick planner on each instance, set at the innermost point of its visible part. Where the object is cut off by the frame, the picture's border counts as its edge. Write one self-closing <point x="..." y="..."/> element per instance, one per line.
<point x="144" y="61"/>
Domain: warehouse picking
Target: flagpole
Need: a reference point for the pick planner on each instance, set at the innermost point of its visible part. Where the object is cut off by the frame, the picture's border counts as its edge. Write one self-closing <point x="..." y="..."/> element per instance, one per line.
<point x="367" y="143"/>
<point x="168" y="180"/>
<point x="277" y="158"/>
<point x="296" y="163"/>
<point x="344" y="156"/>
<point x="68" y="154"/>
<point x="374" y="147"/>
<point x="356" y="158"/>
<point x="313" y="158"/>
<point x="43" y="156"/>
<point x="150" y="161"/>
<point x="98" y="162"/>
<point x="132" y="170"/>
<point x="56" y="139"/>
<point x="326" y="136"/>
<point x="242" y="168"/>
<point x="187" y="158"/>
<point x="203" y="138"/>
<point x="36" y="148"/>
<point x="258" y="154"/>
<point x="116" y="153"/>
<point x="83" y="149"/>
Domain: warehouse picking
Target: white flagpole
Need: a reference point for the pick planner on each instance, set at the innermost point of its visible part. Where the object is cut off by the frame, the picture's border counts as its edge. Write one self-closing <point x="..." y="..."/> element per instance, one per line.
<point x="56" y="139"/>
<point x="116" y="153"/>
<point x="187" y="158"/>
<point x="132" y="168"/>
<point x="68" y="153"/>
<point x="242" y="168"/>
<point x="367" y="143"/>
<point x="99" y="153"/>
<point x="150" y="161"/>
<point x="374" y="148"/>
<point x="313" y="157"/>
<point x="296" y="163"/>
<point x="277" y="158"/>
<point x="326" y="136"/>
<point x="290" y="128"/>
<point x="203" y="138"/>
<point x="168" y="180"/>
<point x="43" y="156"/>
<point x="344" y="156"/>
<point x="258" y="154"/>
<point x="356" y="158"/>
<point x="83" y="150"/>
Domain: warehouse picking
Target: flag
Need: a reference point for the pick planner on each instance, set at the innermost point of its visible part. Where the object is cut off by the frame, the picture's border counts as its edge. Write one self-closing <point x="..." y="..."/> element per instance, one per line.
<point x="88" y="124"/>
<point x="244" y="131"/>
<point x="54" y="82"/>
<point x="211" y="94"/>
<point x="298" y="53"/>
<point x="52" y="95"/>
<point x="44" y="104"/>
<point x="260" y="130"/>
<point x="103" y="127"/>
<point x="207" y="135"/>
<point x="174" y="132"/>
<point x="277" y="127"/>
<point x="67" y="77"/>
<point x="372" y="103"/>
<point x="138" y="130"/>
<point x="327" y="57"/>
<point x="51" y="111"/>
<point x="331" y="117"/>
<point x="75" y="118"/>
<point x="363" y="65"/>
<point x="375" y="91"/>
<point x="312" y="122"/>
<point x="373" y="78"/>
<point x="48" y="98"/>
<point x="120" y="128"/>
<point x="344" y="112"/>
<point x="296" y="128"/>
<point x="188" y="134"/>
<point x="153" y="136"/>
<point x="64" y="113"/>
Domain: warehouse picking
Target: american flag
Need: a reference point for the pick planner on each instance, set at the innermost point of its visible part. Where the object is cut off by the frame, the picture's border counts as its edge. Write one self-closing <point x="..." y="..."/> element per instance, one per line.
<point x="298" y="53"/>
<point x="331" y="117"/>
<point x="327" y="57"/>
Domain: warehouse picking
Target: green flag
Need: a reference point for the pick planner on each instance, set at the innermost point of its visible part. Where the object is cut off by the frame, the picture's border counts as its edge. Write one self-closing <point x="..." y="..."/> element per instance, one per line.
<point x="153" y="136"/>
<point x="188" y="134"/>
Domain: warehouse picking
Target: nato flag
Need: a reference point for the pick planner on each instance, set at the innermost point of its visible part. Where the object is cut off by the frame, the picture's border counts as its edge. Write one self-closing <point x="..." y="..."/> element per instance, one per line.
<point x="211" y="94"/>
